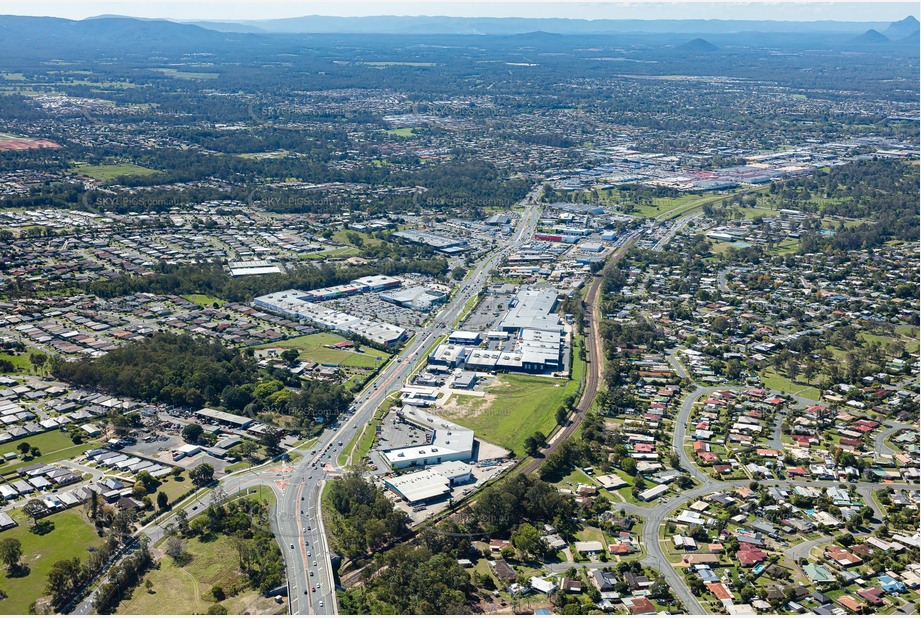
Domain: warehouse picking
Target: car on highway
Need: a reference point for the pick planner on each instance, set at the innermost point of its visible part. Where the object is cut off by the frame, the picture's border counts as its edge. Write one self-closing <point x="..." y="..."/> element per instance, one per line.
<point x="308" y="554"/>
<point x="313" y="589"/>
<point x="311" y="574"/>
<point x="292" y="545"/>
<point x="321" y="603"/>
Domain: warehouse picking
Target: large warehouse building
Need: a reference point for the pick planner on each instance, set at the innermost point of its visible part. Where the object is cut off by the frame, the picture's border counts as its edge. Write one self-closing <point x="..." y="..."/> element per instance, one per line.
<point x="434" y="482"/>
<point x="533" y="309"/>
<point x="449" y="442"/>
<point x="292" y="303"/>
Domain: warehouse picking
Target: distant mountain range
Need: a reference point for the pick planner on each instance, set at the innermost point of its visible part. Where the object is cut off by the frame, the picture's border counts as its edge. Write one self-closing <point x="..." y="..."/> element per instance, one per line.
<point x="904" y="28"/>
<point x="388" y="24"/>
<point x="54" y="38"/>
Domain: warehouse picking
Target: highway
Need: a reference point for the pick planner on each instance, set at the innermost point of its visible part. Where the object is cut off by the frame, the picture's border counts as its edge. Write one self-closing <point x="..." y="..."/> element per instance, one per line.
<point x="298" y="523"/>
<point x="298" y="517"/>
<point x="298" y="487"/>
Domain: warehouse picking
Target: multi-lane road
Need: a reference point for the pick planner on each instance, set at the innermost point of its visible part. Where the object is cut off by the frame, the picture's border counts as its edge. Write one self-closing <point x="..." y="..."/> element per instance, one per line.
<point x="298" y="487"/>
<point x="300" y="526"/>
<point x="298" y="523"/>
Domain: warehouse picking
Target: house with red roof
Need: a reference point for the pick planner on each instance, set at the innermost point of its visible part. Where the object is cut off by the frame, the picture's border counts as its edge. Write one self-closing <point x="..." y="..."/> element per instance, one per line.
<point x="749" y="555"/>
<point x="851" y="603"/>
<point x="639" y="605"/>
<point x="708" y="457"/>
<point x="621" y="549"/>
<point x="719" y="591"/>
<point x="873" y="595"/>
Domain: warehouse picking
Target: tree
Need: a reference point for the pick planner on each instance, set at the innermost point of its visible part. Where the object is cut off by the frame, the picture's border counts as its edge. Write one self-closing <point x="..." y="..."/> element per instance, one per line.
<point x="628" y="465"/>
<point x="531" y="446"/>
<point x="202" y="474"/>
<point x="217" y="609"/>
<point x="218" y="593"/>
<point x="174" y="547"/>
<point x="35" y="452"/>
<point x="23" y="448"/>
<point x="10" y="553"/>
<point x="192" y="432"/>
<point x="526" y="539"/>
<point x="271" y="440"/>
<point x="290" y="356"/>
<point x="63" y="579"/>
<point x="660" y="590"/>
<point x="562" y="415"/>
<point x="162" y="501"/>
<point x="33" y="508"/>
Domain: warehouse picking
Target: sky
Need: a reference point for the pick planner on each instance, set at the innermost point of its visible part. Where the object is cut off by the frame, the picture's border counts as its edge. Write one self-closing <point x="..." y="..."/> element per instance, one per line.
<point x="643" y="9"/>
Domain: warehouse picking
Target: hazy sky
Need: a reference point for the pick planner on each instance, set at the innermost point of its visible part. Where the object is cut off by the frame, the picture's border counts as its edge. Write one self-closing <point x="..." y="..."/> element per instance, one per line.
<point x="643" y="9"/>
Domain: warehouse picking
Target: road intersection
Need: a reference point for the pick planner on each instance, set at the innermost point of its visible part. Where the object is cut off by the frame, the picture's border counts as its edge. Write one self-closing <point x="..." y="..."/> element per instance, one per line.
<point x="298" y="487"/>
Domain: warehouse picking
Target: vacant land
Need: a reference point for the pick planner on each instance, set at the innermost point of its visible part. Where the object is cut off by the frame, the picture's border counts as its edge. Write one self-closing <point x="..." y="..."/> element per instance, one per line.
<point x="54" y="446"/>
<point x="187" y="589"/>
<point x="776" y="382"/>
<point x="311" y="347"/>
<point x="71" y="537"/>
<point x="515" y="407"/>
<point x="346" y="237"/>
<point x="21" y="362"/>
<point x="203" y="300"/>
<point x="107" y="173"/>
<point x="173" y="488"/>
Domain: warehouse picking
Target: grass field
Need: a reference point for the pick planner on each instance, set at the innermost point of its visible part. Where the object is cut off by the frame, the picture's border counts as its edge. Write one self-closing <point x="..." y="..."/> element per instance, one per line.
<point x="575" y="477"/>
<point x="173" y="488"/>
<point x="522" y="406"/>
<point x="54" y="446"/>
<point x="187" y="74"/>
<point x="187" y="589"/>
<point x="21" y="363"/>
<point x="107" y="173"/>
<point x="342" y="236"/>
<point x="403" y="132"/>
<point x="71" y="537"/>
<point x="341" y="252"/>
<point x="786" y="246"/>
<point x="669" y="207"/>
<point x="311" y="347"/>
<point x="203" y="300"/>
<point x="907" y="335"/>
<point x="775" y="382"/>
